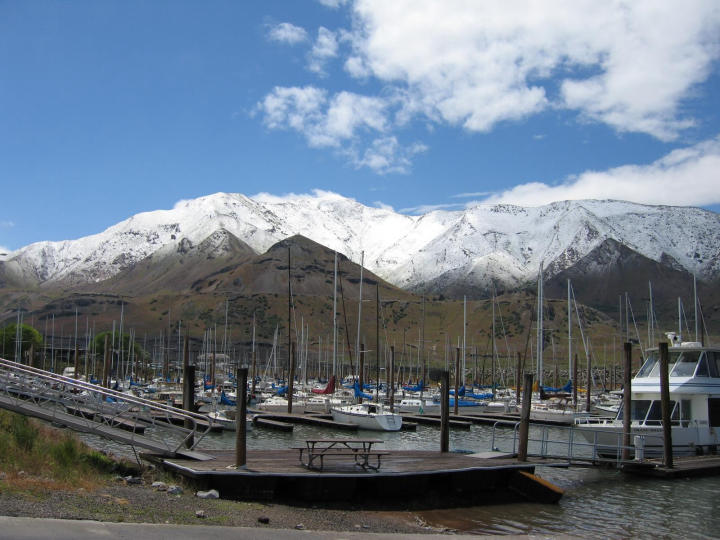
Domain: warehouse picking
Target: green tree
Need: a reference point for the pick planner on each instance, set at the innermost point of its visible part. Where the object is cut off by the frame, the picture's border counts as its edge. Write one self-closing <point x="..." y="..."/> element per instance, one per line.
<point x="28" y="337"/>
<point x="138" y="351"/>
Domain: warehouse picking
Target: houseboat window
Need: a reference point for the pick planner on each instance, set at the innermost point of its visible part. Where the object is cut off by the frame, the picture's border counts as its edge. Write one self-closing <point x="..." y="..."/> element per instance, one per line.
<point x="648" y="366"/>
<point x="654" y="417"/>
<point x="685" y="364"/>
<point x="713" y="360"/>
<point x="639" y="408"/>
<point x="714" y="412"/>
<point x="672" y="359"/>
<point x="686" y="411"/>
<point x="702" y="369"/>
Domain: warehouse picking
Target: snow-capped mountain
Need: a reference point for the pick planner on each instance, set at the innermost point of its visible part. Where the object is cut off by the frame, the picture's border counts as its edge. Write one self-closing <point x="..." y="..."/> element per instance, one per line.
<point x="503" y="243"/>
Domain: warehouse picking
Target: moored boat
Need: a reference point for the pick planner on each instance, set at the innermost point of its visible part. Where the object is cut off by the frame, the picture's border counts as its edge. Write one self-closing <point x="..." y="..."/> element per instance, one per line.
<point x="373" y="416"/>
<point x="694" y="381"/>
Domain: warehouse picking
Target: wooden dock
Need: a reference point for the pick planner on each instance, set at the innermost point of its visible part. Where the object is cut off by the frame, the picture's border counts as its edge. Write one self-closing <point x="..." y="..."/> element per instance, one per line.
<point x="311" y="419"/>
<point x="435" y="421"/>
<point x="683" y="467"/>
<point x="429" y="478"/>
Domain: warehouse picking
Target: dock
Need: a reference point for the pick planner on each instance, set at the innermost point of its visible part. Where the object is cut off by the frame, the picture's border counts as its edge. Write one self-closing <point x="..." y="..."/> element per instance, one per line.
<point x="683" y="467"/>
<point x="310" y="419"/>
<point x="453" y="422"/>
<point x="429" y="478"/>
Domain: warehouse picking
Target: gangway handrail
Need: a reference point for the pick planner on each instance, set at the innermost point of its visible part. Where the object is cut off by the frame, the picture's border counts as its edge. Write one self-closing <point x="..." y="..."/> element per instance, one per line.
<point x="192" y="434"/>
<point x="572" y="443"/>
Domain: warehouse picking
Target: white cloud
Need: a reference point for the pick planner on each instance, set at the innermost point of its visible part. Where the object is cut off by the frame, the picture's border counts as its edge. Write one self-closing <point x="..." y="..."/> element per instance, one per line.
<point x="353" y="124"/>
<point x="269" y="198"/>
<point x="7" y="224"/>
<point x="325" y="48"/>
<point x="287" y="33"/>
<point x="382" y="206"/>
<point x="474" y="64"/>
<point x="427" y="208"/>
<point x="473" y="194"/>
<point x="684" y="177"/>
<point x="333" y="3"/>
<point x="386" y="155"/>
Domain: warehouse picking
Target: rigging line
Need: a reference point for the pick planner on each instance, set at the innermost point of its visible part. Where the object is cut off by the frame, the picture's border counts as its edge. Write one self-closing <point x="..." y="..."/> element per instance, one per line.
<point x="637" y="333"/>
<point x="684" y="316"/>
<point x="580" y="322"/>
<point x="502" y="325"/>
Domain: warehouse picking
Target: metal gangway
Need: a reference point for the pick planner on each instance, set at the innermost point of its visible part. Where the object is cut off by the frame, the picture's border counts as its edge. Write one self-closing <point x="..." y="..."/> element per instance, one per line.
<point x="89" y="408"/>
<point x="564" y="446"/>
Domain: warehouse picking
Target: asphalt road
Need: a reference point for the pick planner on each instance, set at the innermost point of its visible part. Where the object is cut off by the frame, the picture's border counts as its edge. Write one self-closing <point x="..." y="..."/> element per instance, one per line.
<point x="21" y="528"/>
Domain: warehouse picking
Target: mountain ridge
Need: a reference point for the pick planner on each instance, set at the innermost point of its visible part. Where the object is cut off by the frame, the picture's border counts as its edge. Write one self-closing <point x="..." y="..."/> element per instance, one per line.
<point x="479" y="246"/>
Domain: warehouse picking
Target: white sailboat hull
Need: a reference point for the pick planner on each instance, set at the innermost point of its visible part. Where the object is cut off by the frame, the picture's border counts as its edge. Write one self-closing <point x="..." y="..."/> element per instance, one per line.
<point x="383" y="421"/>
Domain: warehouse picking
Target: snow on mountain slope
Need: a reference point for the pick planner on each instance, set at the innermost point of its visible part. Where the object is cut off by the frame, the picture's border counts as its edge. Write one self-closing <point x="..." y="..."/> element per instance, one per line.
<point x="502" y="242"/>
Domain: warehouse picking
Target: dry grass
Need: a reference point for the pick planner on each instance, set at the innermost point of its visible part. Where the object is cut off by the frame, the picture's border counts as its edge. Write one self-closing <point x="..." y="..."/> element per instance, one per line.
<point x="36" y="458"/>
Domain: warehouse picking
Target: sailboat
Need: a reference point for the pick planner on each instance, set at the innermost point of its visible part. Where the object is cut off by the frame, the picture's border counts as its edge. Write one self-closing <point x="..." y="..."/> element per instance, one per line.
<point x="555" y="410"/>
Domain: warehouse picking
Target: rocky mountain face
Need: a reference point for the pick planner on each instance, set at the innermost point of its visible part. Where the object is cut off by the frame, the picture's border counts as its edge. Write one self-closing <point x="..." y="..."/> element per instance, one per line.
<point x="461" y="252"/>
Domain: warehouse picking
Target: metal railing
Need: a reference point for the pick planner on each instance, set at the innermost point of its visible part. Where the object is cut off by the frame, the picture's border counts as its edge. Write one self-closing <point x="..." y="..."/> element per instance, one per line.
<point x="565" y="443"/>
<point x="93" y="409"/>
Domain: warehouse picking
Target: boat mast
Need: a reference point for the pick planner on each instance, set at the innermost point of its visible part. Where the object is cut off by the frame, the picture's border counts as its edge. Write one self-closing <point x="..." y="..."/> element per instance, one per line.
<point x="462" y="377"/>
<point x="357" y="340"/>
<point x="377" y="342"/>
<point x="569" y="312"/>
<point x="652" y="315"/>
<point x="334" y="349"/>
<point x="492" y="364"/>
<point x="696" y="306"/>
<point x="539" y="327"/>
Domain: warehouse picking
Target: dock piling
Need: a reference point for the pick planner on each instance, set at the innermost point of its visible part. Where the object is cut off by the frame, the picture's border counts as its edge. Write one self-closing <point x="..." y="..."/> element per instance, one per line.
<point x="188" y="388"/>
<point x="665" y="406"/>
<point x="445" y="412"/>
<point x="525" y="417"/>
<point x="627" y="408"/>
<point x="241" y="418"/>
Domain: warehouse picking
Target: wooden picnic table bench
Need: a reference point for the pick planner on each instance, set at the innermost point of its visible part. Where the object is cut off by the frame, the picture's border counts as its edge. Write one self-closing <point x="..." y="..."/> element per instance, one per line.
<point x="361" y="450"/>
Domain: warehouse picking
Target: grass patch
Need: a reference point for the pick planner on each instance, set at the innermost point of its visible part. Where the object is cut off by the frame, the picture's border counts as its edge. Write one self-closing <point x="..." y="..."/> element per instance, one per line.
<point x="36" y="457"/>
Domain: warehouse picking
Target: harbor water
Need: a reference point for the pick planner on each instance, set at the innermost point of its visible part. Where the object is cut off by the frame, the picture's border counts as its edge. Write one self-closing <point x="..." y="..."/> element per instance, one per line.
<point x="598" y="503"/>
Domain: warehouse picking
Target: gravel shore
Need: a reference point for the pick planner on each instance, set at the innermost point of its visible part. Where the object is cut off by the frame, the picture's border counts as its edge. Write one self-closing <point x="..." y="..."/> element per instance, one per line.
<point x="121" y="501"/>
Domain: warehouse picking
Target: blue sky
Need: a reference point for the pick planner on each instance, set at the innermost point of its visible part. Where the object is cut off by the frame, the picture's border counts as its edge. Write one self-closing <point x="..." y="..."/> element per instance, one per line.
<point x="112" y="108"/>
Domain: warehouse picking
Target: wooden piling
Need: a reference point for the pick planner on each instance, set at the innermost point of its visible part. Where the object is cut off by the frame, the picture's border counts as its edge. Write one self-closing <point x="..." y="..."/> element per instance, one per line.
<point x="254" y="373"/>
<point x="525" y="417"/>
<point x="291" y="377"/>
<point x="665" y="406"/>
<point x="188" y="387"/>
<point x="457" y="379"/>
<point x="241" y="418"/>
<point x="445" y="412"/>
<point x="518" y="385"/>
<point x="627" y="404"/>
<point x="391" y="382"/>
<point x="106" y="362"/>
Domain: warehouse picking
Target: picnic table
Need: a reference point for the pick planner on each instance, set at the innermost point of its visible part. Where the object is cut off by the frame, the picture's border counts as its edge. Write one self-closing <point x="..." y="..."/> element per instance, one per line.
<point x="361" y="450"/>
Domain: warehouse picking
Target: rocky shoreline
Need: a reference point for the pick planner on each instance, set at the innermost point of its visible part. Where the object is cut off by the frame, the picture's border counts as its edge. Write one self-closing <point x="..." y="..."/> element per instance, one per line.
<point x="134" y="499"/>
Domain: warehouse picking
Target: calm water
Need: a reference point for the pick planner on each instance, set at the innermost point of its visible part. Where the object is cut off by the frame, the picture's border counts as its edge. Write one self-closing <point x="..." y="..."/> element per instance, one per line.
<point x="597" y="503"/>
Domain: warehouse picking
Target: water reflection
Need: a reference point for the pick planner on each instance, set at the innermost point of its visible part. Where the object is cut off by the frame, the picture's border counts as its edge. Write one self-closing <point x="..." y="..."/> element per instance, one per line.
<point x="597" y="502"/>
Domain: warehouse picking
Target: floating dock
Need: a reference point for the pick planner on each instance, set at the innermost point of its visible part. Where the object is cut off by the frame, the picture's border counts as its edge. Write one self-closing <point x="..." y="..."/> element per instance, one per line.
<point x="683" y="467"/>
<point x="429" y="478"/>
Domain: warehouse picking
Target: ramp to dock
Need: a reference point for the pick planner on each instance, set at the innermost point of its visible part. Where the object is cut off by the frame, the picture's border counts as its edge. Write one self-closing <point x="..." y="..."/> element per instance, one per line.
<point x="90" y="408"/>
